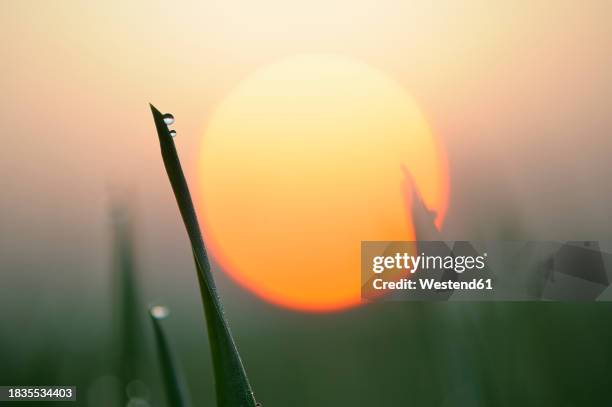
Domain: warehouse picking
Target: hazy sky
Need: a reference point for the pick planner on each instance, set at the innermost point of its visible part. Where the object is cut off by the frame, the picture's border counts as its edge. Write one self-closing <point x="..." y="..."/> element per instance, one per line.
<point x="519" y="93"/>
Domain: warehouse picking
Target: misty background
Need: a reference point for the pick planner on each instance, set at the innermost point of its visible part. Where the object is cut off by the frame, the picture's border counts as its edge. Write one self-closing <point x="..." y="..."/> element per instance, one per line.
<point x="518" y="93"/>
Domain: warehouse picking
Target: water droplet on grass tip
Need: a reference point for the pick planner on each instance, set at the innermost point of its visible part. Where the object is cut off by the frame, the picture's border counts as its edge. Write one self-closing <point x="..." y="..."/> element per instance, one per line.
<point x="168" y="118"/>
<point x="159" y="312"/>
<point x="173" y="133"/>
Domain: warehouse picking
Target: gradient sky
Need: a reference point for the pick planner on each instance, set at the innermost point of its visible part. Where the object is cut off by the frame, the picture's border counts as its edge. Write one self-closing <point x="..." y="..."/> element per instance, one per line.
<point x="519" y="92"/>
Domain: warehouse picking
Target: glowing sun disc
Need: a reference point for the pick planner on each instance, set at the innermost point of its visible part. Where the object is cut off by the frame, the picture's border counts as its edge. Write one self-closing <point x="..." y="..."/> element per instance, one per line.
<point x="299" y="164"/>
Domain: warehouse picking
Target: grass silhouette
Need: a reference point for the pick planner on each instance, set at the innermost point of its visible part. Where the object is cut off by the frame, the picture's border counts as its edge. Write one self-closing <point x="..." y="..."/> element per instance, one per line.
<point x="176" y="389"/>
<point x="231" y="382"/>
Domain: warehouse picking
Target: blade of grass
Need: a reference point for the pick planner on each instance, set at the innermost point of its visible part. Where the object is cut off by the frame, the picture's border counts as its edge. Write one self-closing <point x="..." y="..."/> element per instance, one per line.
<point x="129" y="337"/>
<point x="176" y="389"/>
<point x="231" y="382"/>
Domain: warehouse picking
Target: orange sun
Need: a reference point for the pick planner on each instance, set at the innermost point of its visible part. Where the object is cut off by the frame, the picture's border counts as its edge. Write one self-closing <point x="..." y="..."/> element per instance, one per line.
<point x="299" y="164"/>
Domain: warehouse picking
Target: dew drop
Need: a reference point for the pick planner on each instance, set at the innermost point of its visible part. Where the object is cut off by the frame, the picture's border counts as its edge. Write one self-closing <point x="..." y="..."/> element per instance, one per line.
<point x="173" y="133"/>
<point x="159" y="311"/>
<point x="168" y="119"/>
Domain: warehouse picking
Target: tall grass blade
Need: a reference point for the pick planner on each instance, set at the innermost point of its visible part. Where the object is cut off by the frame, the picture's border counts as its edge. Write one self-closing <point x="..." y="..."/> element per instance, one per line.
<point x="176" y="389"/>
<point x="129" y="335"/>
<point x="231" y="382"/>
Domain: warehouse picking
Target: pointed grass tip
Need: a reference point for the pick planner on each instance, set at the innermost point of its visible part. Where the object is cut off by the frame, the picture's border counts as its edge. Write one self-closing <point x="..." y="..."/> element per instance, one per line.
<point x="159" y="311"/>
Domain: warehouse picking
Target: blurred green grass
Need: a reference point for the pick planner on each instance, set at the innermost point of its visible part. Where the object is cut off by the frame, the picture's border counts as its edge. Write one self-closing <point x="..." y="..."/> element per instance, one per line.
<point x="388" y="354"/>
<point x="174" y="383"/>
